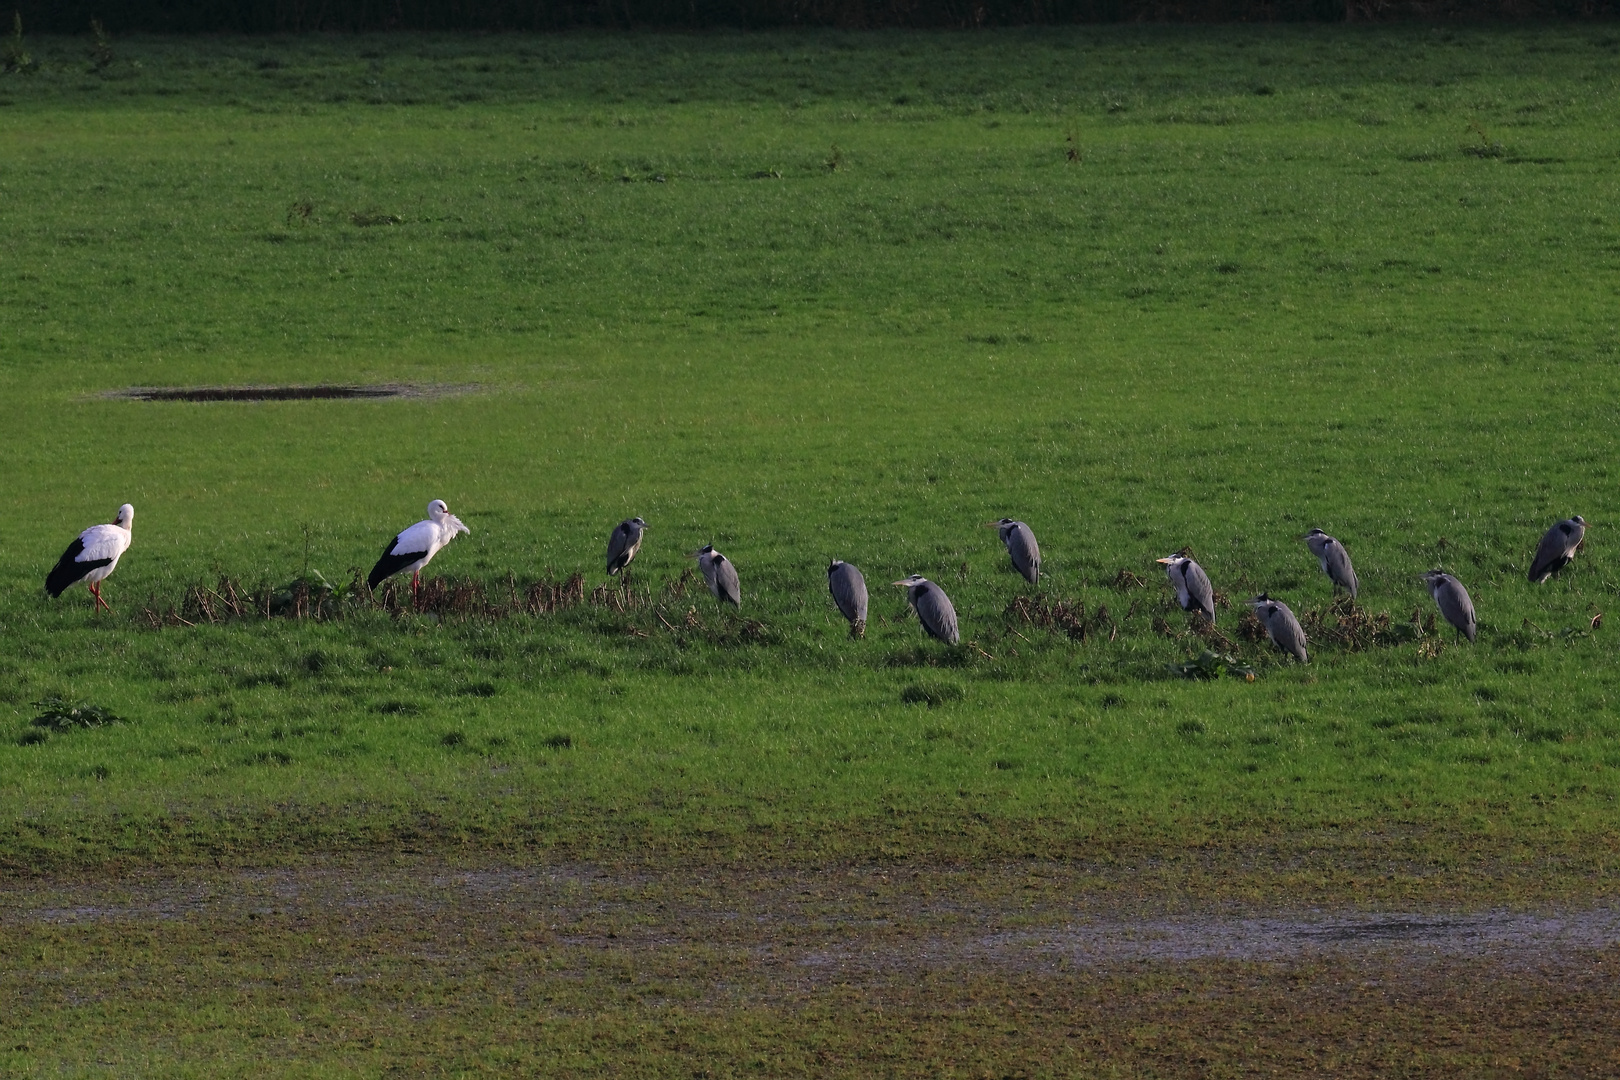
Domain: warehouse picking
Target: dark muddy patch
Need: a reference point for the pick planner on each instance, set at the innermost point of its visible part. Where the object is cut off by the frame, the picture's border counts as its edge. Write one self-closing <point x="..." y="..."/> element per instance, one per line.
<point x="1008" y="964"/>
<point x="324" y="392"/>
<point x="844" y="922"/>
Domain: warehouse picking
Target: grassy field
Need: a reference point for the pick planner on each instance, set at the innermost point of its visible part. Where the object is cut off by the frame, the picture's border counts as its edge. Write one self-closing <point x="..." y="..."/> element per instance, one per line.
<point x="812" y="296"/>
<point x="803" y="296"/>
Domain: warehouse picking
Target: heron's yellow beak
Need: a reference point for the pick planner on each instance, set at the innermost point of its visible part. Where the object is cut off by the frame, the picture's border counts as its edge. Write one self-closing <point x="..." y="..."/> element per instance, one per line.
<point x="901" y="583"/>
<point x="1165" y="560"/>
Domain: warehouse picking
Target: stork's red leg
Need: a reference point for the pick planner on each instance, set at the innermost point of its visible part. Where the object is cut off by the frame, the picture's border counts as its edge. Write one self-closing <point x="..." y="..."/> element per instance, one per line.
<point x="95" y="591"/>
<point x="416" y="580"/>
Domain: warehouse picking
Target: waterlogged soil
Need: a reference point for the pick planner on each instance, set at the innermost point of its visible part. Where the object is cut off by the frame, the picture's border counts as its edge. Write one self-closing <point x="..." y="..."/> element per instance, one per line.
<point x="1019" y="969"/>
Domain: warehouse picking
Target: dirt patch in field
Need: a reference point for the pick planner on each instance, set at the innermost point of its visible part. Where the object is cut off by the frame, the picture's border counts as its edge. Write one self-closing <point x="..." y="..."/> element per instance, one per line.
<point x="324" y="392"/>
<point x="420" y="965"/>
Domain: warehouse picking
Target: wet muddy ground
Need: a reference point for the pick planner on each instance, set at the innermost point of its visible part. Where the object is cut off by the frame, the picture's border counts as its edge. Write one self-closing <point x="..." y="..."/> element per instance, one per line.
<point x="586" y="970"/>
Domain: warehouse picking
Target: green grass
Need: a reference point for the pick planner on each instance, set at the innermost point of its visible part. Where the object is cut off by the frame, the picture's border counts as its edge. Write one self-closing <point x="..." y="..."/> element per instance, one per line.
<point x="1281" y="287"/>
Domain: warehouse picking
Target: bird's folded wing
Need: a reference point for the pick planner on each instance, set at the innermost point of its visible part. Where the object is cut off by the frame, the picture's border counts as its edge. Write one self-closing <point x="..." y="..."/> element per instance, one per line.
<point x="1548" y="553"/>
<point x="420" y="538"/>
<point x="102" y="543"/>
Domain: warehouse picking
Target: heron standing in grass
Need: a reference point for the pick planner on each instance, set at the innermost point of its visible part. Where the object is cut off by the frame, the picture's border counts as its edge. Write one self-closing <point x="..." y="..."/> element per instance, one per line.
<point x="720" y="574"/>
<point x="1193" y="590"/>
<point x="1453" y="600"/>
<point x="933" y="608"/>
<point x="93" y="556"/>
<point x="1334" y="559"/>
<point x="623" y="544"/>
<point x="848" y="590"/>
<point x="1557" y="548"/>
<point x="415" y="547"/>
<point x="1281" y="626"/>
<point x="1021" y="547"/>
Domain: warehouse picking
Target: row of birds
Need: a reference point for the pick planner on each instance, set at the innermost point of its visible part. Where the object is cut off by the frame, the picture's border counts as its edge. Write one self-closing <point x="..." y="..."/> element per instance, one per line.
<point x="95" y="553"/>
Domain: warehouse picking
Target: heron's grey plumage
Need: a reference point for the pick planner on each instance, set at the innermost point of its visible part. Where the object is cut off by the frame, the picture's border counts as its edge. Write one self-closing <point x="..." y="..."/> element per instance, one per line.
<point x="933" y="608"/>
<point x="1557" y="548"/>
<point x="1193" y="590"/>
<point x="1335" y="560"/>
<point x="1022" y="548"/>
<point x="1281" y="626"/>
<point x="623" y="544"/>
<point x="1453" y="600"/>
<point x="848" y="590"/>
<point x="720" y="574"/>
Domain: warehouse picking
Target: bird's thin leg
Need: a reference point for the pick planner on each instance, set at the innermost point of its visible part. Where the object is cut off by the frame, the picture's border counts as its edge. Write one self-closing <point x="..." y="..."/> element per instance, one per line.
<point x="416" y="580"/>
<point x="95" y="590"/>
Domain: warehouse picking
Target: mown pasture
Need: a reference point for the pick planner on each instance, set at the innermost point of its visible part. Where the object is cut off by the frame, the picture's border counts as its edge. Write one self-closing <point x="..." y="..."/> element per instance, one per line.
<point x="812" y="296"/>
<point x="807" y="296"/>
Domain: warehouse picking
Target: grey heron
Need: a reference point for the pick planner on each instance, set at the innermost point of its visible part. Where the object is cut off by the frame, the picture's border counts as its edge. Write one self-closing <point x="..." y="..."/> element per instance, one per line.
<point x="92" y="556"/>
<point x="415" y="547"/>
<point x="1557" y="548"/>
<point x="623" y="544"/>
<point x="1193" y="590"/>
<point x="1334" y="559"/>
<point x="933" y="608"/>
<point x="720" y="574"/>
<point x="1281" y="626"/>
<point x="848" y="590"/>
<point x="1021" y="547"/>
<point x="1453" y="600"/>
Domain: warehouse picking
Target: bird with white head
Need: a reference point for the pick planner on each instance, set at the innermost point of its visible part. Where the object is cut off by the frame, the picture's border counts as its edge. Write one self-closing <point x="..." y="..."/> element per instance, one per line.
<point x="1454" y="602"/>
<point x="1558" y="548"/>
<point x="1193" y="590"/>
<point x="623" y="544"/>
<point x="933" y="608"/>
<point x="1281" y="626"/>
<point x="721" y="575"/>
<point x="1022" y="549"/>
<point x="415" y="547"/>
<point x="93" y="556"/>
<point x="848" y="588"/>
<point x="1335" y="561"/>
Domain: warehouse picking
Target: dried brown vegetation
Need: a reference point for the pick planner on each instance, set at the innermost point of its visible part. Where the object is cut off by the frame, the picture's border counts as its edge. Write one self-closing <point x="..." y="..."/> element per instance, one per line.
<point x="1059" y="616"/>
<point x="449" y="599"/>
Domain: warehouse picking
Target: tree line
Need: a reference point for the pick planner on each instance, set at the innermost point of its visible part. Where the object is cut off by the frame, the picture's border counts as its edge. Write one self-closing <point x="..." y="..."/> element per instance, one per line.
<point x="305" y="16"/>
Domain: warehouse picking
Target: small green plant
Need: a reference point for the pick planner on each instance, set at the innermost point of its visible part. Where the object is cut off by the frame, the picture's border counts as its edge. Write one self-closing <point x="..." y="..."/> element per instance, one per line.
<point x="559" y="742"/>
<point x="1212" y="665"/>
<point x="60" y="714"/>
<point x="16" y="57"/>
<point x="932" y="694"/>
<point x="835" y="159"/>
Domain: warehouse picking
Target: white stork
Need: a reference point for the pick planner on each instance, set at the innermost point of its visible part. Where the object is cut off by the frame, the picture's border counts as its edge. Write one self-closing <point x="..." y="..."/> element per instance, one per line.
<point x="92" y="557"/>
<point x="415" y="547"/>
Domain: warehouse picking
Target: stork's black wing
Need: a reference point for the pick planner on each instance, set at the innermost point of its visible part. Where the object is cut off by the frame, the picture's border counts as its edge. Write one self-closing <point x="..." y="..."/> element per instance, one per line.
<point x="69" y="569"/>
<point x="392" y="562"/>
